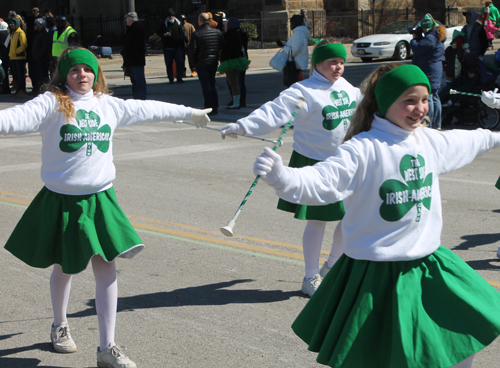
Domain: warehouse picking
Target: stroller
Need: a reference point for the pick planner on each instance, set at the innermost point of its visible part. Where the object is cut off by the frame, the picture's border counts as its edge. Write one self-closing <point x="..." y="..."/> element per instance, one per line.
<point x="476" y="76"/>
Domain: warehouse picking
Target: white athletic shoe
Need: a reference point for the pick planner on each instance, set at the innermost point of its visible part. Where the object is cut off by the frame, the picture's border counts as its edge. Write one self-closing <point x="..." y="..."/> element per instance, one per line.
<point x="61" y="339"/>
<point x="498" y="252"/>
<point x="113" y="357"/>
<point x="310" y="285"/>
<point x="324" y="270"/>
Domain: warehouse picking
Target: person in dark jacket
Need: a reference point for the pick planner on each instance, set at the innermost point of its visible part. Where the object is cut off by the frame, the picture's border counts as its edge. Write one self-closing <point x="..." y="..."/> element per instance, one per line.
<point x="233" y="59"/>
<point x="134" y="55"/>
<point x="173" y="39"/>
<point x="41" y="52"/>
<point x="476" y="41"/>
<point x="428" y="51"/>
<point x="4" y="56"/>
<point x="204" y="49"/>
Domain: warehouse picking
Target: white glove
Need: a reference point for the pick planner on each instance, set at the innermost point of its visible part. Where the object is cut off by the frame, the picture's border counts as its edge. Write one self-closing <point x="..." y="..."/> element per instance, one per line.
<point x="199" y="117"/>
<point x="269" y="166"/>
<point x="232" y="130"/>
<point x="488" y="98"/>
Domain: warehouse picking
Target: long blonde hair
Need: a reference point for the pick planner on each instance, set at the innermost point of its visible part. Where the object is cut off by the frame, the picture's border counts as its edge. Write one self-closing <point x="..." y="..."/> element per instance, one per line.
<point x="58" y="88"/>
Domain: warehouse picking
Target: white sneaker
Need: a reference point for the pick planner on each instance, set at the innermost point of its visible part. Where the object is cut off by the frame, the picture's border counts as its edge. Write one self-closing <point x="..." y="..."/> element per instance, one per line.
<point x="310" y="285"/>
<point x="498" y="252"/>
<point x="61" y="339"/>
<point x="113" y="357"/>
<point x="324" y="270"/>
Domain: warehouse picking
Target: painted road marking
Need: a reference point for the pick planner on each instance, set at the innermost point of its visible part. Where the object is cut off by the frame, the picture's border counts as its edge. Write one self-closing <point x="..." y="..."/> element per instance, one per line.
<point x="191" y="234"/>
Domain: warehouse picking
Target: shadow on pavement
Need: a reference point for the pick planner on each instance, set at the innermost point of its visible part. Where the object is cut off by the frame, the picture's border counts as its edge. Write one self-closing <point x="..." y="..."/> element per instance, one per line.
<point x="476" y="240"/>
<point x="211" y="294"/>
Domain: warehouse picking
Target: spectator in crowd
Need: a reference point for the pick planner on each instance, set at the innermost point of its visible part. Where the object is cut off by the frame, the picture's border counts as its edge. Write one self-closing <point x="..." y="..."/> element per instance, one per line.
<point x="63" y="37"/>
<point x="306" y="22"/>
<point x="221" y="20"/>
<point x="41" y="50"/>
<point x="134" y="55"/>
<point x="48" y="13"/>
<point x="173" y="39"/>
<point x="17" y="55"/>
<point x="428" y="52"/>
<point x="30" y="35"/>
<point x="233" y="59"/>
<point x="297" y="46"/>
<point x="475" y="38"/>
<point x="204" y="49"/>
<point x="4" y="56"/>
<point x="489" y="11"/>
<point x="211" y="22"/>
<point x="490" y="29"/>
<point x="188" y="30"/>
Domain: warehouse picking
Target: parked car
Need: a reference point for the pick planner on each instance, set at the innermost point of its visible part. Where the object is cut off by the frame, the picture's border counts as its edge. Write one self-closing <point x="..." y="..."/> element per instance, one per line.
<point x="392" y="41"/>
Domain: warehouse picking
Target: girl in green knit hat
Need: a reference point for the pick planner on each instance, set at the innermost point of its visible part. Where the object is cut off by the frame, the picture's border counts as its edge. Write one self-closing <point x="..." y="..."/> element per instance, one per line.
<point x="396" y="297"/>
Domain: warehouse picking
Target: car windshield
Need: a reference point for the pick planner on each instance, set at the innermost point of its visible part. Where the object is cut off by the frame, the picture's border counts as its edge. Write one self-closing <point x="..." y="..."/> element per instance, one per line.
<point x="400" y="27"/>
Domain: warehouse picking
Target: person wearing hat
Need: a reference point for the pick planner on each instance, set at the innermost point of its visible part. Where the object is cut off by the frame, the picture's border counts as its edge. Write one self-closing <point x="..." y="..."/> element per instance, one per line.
<point x="428" y="52"/>
<point x="63" y="37"/>
<point x="173" y="40"/>
<point x="188" y="30"/>
<point x="475" y="39"/>
<point x="490" y="12"/>
<point x="305" y="20"/>
<point x="17" y="55"/>
<point x="41" y="50"/>
<point x="134" y="55"/>
<point x="319" y="128"/>
<point x="4" y="57"/>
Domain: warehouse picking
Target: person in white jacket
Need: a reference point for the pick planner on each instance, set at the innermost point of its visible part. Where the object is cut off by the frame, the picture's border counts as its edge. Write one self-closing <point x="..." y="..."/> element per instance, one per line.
<point x="319" y="128"/>
<point x="297" y="45"/>
<point x="75" y="219"/>
<point x="396" y="297"/>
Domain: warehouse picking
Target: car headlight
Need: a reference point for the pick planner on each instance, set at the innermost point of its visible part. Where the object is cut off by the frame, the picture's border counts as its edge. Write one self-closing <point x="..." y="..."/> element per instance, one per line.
<point x="381" y="43"/>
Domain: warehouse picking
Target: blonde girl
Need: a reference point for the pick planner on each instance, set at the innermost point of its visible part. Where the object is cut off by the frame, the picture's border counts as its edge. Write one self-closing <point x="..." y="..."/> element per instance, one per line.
<point x="75" y="219"/>
<point x="396" y="297"/>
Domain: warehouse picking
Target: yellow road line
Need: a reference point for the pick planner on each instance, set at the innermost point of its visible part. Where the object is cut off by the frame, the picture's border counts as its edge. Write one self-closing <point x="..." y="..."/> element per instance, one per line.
<point x="205" y="238"/>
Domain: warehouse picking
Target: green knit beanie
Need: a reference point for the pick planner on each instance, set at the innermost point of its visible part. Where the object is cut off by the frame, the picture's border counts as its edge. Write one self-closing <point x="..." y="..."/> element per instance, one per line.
<point x="427" y="22"/>
<point x="328" y="51"/>
<point x="395" y="82"/>
<point x="75" y="57"/>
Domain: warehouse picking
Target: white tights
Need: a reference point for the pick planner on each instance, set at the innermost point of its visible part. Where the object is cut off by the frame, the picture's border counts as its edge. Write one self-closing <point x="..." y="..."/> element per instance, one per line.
<point x="467" y="363"/>
<point x="312" y="241"/>
<point x="106" y="297"/>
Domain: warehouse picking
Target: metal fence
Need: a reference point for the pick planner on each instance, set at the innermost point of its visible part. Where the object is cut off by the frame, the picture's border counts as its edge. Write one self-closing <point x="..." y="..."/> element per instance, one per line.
<point x="342" y="26"/>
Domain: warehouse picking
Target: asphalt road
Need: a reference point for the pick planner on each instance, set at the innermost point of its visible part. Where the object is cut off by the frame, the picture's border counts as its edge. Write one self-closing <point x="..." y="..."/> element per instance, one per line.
<point x="193" y="297"/>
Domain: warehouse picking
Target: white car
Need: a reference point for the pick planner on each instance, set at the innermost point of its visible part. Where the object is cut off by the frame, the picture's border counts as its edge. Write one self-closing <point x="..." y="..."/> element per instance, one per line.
<point x="392" y="41"/>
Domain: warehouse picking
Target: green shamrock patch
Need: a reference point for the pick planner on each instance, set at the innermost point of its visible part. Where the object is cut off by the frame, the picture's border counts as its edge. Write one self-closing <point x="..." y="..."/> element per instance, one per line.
<point x="415" y="190"/>
<point x="87" y="132"/>
<point x="340" y="112"/>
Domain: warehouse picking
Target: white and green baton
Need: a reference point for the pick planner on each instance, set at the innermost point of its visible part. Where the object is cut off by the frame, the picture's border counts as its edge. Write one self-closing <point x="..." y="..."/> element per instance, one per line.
<point x="228" y="229"/>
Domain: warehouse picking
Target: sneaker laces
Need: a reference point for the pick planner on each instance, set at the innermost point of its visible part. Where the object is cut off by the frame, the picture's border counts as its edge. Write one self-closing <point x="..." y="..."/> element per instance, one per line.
<point x="62" y="333"/>
<point x="116" y="352"/>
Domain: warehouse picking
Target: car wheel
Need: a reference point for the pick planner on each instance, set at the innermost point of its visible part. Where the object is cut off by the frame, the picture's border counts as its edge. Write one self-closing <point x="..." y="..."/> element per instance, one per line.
<point x="366" y="60"/>
<point x="401" y="51"/>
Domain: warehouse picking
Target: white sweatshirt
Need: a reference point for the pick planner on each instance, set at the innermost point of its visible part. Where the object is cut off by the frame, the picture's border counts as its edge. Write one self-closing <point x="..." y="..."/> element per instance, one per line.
<point x="77" y="157"/>
<point x="320" y="125"/>
<point x="388" y="180"/>
<point x="297" y="47"/>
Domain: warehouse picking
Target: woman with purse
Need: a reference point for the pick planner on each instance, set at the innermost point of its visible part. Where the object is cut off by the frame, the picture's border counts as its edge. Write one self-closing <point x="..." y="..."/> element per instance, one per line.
<point x="319" y="128"/>
<point x="293" y="57"/>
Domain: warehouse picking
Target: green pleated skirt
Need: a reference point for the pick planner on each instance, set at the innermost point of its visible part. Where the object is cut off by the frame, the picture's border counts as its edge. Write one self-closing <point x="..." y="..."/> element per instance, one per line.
<point x="432" y="312"/>
<point x="329" y="212"/>
<point x="240" y="64"/>
<point x="70" y="230"/>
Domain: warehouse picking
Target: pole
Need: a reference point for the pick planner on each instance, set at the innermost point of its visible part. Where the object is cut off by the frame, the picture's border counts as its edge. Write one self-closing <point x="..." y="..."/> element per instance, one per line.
<point x="373" y="15"/>
<point x="131" y="5"/>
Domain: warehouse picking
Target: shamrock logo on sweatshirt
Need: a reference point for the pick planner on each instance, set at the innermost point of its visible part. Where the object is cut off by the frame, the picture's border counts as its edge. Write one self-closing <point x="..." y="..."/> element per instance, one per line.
<point x="340" y="112"/>
<point x="416" y="190"/>
<point x="86" y="131"/>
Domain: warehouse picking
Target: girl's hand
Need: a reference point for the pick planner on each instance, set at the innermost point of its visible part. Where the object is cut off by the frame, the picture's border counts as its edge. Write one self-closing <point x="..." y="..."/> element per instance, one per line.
<point x="491" y="98"/>
<point x="200" y="117"/>
<point x="232" y="130"/>
<point x="269" y="166"/>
